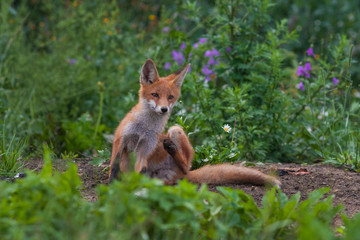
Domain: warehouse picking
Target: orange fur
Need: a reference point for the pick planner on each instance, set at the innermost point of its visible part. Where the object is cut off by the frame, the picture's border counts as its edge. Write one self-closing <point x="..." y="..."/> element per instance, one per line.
<point x="228" y="174"/>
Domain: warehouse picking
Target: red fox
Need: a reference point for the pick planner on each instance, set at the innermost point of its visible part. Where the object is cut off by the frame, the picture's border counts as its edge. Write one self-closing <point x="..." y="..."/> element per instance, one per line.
<point x="167" y="156"/>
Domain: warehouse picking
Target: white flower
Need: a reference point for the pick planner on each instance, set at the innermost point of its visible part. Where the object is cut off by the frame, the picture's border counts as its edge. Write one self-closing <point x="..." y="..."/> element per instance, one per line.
<point x="226" y="128"/>
<point x="205" y="160"/>
<point x="323" y="114"/>
<point x="142" y="193"/>
<point x="356" y="94"/>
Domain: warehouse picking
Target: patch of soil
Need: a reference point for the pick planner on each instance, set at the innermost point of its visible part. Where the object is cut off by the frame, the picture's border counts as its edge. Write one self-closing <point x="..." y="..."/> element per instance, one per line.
<point x="345" y="185"/>
<point x="90" y="175"/>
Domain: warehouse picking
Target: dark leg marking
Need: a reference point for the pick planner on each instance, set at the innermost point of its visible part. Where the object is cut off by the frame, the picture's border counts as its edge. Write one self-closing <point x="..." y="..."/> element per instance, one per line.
<point x="114" y="174"/>
<point x="143" y="170"/>
<point x="169" y="146"/>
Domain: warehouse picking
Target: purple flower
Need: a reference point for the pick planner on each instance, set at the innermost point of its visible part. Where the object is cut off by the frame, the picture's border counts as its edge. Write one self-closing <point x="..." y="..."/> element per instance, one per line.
<point x="215" y="53"/>
<point x="303" y="71"/>
<point x="212" y="53"/>
<point x="196" y="45"/>
<point x="310" y="52"/>
<point x="228" y="49"/>
<point x="72" y="61"/>
<point x="205" y="70"/>
<point x="178" y="57"/>
<point x="165" y="29"/>
<point x="301" y="86"/>
<point x="208" y="53"/>
<point x="335" y="81"/>
<point x="202" y="40"/>
<point x="212" y="61"/>
<point x="307" y="67"/>
<point x="167" y="65"/>
<point x="182" y="46"/>
<point x="300" y="71"/>
<point x="207" y="78"/>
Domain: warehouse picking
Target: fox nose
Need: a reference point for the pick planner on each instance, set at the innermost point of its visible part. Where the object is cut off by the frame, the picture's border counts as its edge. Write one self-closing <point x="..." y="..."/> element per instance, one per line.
<point x="164" y="109"/>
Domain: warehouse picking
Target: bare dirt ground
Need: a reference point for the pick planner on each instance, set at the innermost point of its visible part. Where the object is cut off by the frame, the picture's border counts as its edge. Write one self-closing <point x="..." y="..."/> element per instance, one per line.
<point x="345" y="185"/>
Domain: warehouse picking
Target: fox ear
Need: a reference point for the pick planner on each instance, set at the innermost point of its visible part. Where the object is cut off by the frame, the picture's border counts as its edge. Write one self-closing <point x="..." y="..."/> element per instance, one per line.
<point x="149" y="73"/>
<point x="180" y="75"/>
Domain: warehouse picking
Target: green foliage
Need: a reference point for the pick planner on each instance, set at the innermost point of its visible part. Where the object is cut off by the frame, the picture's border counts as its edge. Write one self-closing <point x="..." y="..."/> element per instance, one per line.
<point x="82" y="61"/>
<point x="80" y="135"/>
<point x="103" y="156"/>
<point x="348" y="159"/>
<point x="48" y="205"/>
<point x="319" y="22"/>
<point x="352" y="227"/>
<point x="68" y="155"/>
<point x="42" y="204"/>
<point x="10" y="156"/>
<point x="255" y="90"/>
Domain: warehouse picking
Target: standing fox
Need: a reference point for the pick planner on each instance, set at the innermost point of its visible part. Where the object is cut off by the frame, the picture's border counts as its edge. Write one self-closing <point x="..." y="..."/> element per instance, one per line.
<point x="167" y="156"/>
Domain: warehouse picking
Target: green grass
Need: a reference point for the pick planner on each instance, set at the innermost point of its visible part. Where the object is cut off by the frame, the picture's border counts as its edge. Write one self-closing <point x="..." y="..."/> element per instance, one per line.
<point x="11" y="161"/>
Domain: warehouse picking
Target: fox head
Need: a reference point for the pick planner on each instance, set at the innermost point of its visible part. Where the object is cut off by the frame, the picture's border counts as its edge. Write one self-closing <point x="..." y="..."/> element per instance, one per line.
<point x="160" y="93"/>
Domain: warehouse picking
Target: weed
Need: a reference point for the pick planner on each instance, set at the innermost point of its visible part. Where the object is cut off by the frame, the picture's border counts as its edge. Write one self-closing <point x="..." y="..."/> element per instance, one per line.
<point x="10" y="156"/>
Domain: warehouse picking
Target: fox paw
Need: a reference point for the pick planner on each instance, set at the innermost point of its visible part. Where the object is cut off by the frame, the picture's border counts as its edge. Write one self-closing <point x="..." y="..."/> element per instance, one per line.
<point x="169" y="146"/>
<point x="170" y="182"/>
<point x="143" y="170"/>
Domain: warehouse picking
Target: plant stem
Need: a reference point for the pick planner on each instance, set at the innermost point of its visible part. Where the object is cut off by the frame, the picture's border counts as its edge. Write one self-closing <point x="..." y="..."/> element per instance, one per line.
<point x="311" y="98"/>
<point x="100" y="114"/>
<point x="211" y="125"/>
<point x="247" y="142"/>
<point x="232" y="24"/>
<point x="232" y="140"/>
<point x="303" y="106"/>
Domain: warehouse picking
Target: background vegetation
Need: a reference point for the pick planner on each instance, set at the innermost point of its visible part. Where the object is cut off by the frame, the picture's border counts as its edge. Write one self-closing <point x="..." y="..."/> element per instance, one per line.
<point x="283" y="75"/>
<point x="69" y="73"/>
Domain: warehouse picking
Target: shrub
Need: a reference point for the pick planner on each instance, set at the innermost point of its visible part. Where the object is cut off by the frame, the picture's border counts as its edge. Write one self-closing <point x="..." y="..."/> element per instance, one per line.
<point x="49" y="205"/>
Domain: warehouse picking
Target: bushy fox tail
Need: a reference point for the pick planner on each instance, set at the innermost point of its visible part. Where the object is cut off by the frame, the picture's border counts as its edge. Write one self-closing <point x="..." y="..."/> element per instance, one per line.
<point x="230" y="174"/>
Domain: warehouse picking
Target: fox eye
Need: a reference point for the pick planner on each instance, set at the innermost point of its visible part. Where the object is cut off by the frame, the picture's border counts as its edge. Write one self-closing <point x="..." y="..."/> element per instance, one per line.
<point x="171" y="97"/>
<point x="155" y="95"/>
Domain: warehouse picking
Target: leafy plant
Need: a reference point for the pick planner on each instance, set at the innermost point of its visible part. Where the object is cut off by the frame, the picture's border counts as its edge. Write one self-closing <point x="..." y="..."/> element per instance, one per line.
<point x="103" y="156"/>
<point x="351" y="229"/>
<point x="349" y="159"/>
<point x="68" y="155"/>
<point x="250" y="80"/>
<point x="10" y="156"/>
<point x="41" y="204"/>
<point x="79" y="135"/>
<point x="49" y="205"/>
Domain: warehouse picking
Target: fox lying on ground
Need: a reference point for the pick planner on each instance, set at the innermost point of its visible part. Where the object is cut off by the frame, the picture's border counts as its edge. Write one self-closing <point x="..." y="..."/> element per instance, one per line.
<point x="167" y="156"/>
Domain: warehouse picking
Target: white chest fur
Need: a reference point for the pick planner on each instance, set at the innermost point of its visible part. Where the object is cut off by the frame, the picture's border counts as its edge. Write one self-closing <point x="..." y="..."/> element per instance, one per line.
<point x="142" y="134"/>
